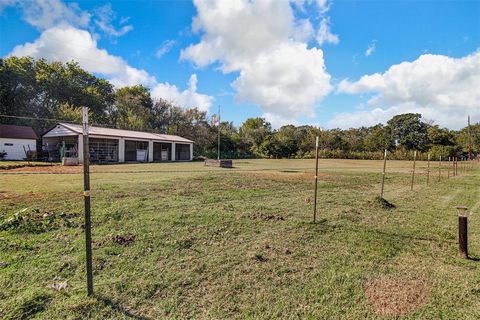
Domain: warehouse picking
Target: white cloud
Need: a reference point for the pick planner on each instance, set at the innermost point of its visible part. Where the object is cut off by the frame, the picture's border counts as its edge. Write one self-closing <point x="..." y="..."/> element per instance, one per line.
<point x="188" y="98"/>
<point x="287" y="81"/>
<point x="65" y="43"/>
<point x="304" y="30"/>
<point x="104" y="18"/>
<point x="324" y="35"/>
<point x="371" y="48"/>
<point x="442" y="88"/>
<point x="166" y="46"/>
<point x="277" y="69"/>
<point x="44" y="14"/>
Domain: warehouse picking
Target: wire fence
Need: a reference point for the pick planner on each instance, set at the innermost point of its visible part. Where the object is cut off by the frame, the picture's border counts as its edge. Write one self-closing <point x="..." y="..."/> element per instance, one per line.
<point x="303" y="188"/>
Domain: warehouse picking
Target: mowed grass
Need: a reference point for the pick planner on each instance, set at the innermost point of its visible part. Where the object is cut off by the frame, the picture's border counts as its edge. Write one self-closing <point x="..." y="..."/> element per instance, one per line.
<point x="180" y="240"/>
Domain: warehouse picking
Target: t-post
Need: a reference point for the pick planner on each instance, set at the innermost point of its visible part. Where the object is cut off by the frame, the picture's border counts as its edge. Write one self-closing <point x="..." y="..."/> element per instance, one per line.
<point x="383" y="172"/>
<point x="316" y="182"/>
<point x="86" y="197"/>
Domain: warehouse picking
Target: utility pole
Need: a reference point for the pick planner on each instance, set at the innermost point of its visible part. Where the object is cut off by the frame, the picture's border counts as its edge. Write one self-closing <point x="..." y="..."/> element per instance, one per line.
<point x="86" y="197"/>
<point x="218" y="142"/>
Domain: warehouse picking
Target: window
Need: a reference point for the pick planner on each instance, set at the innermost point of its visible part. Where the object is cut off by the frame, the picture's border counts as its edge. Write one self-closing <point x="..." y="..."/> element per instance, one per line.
<point x="9" y="144"/>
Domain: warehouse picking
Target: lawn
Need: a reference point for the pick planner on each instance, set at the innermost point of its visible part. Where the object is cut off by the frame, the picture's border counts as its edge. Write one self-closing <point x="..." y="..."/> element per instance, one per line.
<point x="180" y="240"/>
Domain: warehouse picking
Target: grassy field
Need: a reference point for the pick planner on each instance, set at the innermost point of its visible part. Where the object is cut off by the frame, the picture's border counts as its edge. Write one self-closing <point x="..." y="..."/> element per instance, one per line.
<point x="180" y="240"/>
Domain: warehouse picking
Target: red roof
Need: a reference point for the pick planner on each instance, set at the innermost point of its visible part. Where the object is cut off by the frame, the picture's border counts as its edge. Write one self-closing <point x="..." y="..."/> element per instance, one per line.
<point x="17" y="132"/>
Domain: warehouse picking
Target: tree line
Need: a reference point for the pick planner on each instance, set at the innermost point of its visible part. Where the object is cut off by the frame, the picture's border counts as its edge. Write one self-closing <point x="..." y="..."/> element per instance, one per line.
<point x="38" y="90"/>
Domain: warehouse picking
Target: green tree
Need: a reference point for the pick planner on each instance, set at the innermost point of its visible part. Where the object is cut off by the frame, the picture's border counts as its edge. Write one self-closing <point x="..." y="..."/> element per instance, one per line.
<point x="408" y="131"/>
<point x="133" y="108"/>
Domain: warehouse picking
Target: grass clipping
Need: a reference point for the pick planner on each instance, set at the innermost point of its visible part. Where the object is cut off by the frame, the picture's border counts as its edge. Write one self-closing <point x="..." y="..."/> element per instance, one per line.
<point x="391" y="297"/>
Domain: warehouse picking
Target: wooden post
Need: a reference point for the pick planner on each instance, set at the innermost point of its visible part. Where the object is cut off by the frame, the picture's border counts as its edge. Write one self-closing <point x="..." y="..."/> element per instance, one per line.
<point x="469" y="140"/>
<point x="440" y="169"/>
<point x="428" y="169"/>
<point x="316" y="182"/>
<point x="383" y="173"/>
<point x="448" y="166"/>
<point x="413" y="172"/>
<point x="86" y="197"/>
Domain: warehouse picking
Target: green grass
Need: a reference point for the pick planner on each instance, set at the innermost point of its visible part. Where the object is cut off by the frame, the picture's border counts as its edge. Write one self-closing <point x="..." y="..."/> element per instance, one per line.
<point x="176" y="241"/>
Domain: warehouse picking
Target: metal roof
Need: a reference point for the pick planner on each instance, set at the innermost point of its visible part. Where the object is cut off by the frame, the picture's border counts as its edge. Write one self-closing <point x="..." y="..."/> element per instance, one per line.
<point x="124" y="133"/>
<point x="17" y="132"/>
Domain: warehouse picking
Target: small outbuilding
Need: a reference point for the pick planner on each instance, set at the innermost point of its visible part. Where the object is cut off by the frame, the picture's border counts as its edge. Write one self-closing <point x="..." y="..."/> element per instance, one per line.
<point x="108" y="145"/>
<point x="17" y="142"/>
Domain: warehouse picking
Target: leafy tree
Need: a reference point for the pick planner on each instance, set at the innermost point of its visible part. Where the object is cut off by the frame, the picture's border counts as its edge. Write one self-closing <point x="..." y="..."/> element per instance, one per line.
<point x="133" y="108"/>
<point x="409" y="131"/>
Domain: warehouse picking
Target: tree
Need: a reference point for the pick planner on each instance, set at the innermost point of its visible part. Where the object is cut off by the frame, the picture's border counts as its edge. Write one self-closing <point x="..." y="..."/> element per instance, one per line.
<point x="253" y="132"/>
<point x="408" y="131"/>
<point x="37" y="88"/>
<point x="133" y="108"/>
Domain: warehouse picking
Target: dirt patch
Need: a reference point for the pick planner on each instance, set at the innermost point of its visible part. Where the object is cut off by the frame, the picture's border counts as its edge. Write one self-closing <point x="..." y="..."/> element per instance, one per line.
<point x="391" y="297"/>
<point x="385" y="204"/>
<point x="290" y="175"/>
<point x="125" y="240"/>
<point x="45" y="169"/>
<point x="266" y="216"/>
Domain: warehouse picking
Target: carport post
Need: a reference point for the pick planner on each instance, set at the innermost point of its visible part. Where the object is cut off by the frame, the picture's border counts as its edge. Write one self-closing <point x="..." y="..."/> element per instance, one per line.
<point x="86" y="197"/>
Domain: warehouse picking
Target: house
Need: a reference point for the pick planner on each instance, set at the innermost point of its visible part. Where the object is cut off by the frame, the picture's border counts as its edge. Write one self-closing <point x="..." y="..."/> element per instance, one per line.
<point x="115" y="145"/>
<point x="17" y="141"/>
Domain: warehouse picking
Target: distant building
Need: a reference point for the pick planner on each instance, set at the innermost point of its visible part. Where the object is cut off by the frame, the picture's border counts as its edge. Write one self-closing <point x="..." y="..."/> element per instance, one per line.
<point x="115" y="145"/>
<point x="17" y="141"/>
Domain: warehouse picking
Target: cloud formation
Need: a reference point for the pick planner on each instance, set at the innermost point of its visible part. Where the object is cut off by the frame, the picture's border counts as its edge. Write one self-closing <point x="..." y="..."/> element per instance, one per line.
<point x="44" y="14"/>
<point x="66" y="43"/>
<point x="104" y="21"/>
<point x="371" y="48"/>
<point x="324" y="34"/>
<point x="277" y="70"/>
<point x="188" y="98"/>
<point x="166" y="46"/>
<point x="65" y="38"/>
<point x="442" y="88"/>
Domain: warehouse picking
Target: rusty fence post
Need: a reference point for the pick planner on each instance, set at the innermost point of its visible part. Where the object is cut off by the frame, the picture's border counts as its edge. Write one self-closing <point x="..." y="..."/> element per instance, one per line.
<point x="462" y="231"/>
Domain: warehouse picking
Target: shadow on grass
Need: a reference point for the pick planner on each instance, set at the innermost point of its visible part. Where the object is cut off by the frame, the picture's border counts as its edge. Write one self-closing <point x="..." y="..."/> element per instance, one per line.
<point x="117" y="307"/>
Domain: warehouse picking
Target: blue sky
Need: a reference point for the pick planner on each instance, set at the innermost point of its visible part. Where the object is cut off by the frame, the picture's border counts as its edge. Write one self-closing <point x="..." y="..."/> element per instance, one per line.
<point x="301" y="62"/>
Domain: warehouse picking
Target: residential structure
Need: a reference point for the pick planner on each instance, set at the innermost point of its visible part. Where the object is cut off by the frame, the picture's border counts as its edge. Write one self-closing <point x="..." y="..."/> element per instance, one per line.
<point x="115" y="145"/>
<point x="17" y="141"/>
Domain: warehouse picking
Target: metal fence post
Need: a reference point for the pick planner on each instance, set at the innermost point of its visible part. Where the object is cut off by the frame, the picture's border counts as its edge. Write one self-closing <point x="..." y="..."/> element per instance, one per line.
<point x="86" y="197"/>
<point x="413" y="172"/>
<point x="316" y="182"/>
<point x="383" y="173"/>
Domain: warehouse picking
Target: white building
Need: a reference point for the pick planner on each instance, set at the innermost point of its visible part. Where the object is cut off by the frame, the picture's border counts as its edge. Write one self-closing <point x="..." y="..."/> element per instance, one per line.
<point x="115" y="145"/>
<point x="17" y="141"/>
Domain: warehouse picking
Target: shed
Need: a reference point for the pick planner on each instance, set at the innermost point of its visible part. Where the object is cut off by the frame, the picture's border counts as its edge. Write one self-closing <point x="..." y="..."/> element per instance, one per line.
<point x="115" y="145"/>
<point x="17" y="141"/>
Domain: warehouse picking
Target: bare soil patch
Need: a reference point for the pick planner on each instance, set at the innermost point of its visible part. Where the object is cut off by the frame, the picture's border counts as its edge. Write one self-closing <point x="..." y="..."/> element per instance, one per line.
<point x="45" y="169"/>
<point x="391" y="297"/>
